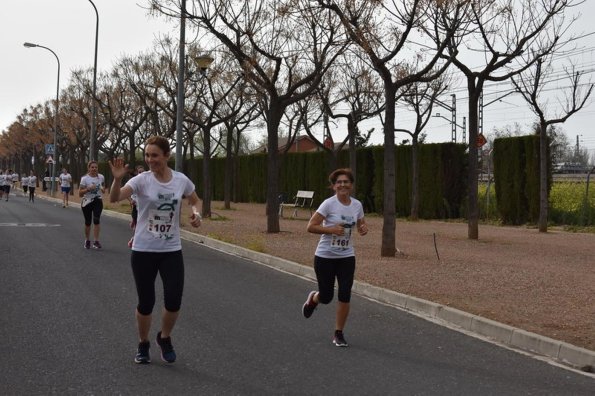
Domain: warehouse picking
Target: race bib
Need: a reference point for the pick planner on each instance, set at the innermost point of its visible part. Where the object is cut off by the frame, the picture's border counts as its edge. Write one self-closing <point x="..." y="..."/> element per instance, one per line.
<point x="161" y="223"/>
<point x="342" y="242"/>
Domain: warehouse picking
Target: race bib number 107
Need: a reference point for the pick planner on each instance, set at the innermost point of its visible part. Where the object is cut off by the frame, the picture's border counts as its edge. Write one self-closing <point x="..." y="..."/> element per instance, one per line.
<point x="161" y="223"/>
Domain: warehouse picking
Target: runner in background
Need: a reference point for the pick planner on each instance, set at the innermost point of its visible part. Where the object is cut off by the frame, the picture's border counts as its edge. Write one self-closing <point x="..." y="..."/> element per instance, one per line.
<point x="2" y="181"/>
<point x="91" y="191"/>
<point x="32" y="185"/>
<point x="7" y="183"/>
<point x="134" y="211"/>
<point x="65" y="184"/>
<point x="25" y="185"/>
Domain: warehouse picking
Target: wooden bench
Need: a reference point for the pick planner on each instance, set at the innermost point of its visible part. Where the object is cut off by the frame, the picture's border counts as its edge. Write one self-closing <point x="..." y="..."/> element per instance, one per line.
<point x="303" y="199"/>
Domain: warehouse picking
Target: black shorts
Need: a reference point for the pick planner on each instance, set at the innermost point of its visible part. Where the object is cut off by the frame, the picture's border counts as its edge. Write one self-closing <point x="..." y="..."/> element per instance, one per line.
<point x="92" y="212"/>
<point x="327" y="270"/>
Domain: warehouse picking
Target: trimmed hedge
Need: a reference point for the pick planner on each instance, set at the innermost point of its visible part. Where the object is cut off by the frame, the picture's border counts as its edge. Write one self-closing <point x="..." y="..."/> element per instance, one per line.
<point x="516" y="171"/>
<point x="442" y="178"/>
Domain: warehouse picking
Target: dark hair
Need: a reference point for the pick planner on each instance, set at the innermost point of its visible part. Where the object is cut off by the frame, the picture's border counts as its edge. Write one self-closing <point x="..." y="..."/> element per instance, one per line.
<point x="341" y="171"/>
<point x="160" y="142"/>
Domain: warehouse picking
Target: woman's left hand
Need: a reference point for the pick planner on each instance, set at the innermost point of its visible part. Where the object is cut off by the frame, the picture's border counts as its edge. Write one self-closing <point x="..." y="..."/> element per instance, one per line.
<point x="195" y="219"/>
<point x="362" y="229"/>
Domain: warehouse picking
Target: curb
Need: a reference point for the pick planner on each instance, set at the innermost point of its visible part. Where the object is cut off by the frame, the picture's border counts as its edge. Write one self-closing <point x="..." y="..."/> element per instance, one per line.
<point x="509" y="336"/>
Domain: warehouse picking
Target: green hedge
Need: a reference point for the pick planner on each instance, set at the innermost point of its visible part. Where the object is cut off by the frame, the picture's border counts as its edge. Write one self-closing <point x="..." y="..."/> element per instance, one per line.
<point x="442" y="177"/>
<point x="516" y="172"/>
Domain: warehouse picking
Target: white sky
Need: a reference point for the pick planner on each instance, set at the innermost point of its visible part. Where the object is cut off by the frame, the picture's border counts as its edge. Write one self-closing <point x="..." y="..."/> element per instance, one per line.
<point x="28" y="75"/>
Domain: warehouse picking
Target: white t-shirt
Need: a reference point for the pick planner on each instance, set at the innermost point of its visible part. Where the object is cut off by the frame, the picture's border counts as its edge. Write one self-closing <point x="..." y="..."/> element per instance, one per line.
<point x="25" y="181"/>
<point x="159" y="205"/>
<point x="65" y="179"/>
<point x="87" y="181"/>
<point x="334" y="212"/>
<point x="2" y="179"/>
<point x="32" y="181"/>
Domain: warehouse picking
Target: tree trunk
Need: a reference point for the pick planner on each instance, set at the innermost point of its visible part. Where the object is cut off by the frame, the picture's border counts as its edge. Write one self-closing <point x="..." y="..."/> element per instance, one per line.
<point x="414" y="179"/>
<point x="472" y="205"/>
<point x="352" y="130"/>
<point x="388" y="248"/>
<point x="228" y="168"/>
<point x="272" y="205"/>
<point x="206" y="174"/>
<point x="543" y="199"/>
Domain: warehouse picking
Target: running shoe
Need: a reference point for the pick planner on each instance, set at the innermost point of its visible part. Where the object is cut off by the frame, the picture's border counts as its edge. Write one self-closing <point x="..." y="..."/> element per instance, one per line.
<point x="142" y="353"/>
<point x="96" y="245"/>
<point x="87" y="244"/>
<point x="309" y="305"/>
<point x="167" y="350"/>
<point x="339" y="339"/>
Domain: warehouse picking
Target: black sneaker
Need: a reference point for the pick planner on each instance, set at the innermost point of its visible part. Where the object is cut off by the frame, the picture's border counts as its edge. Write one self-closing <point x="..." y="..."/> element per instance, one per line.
<point x="96" y="245"/>
<point x="167" y="350"/>
<point x="87" y="244"/>
<point x="309" y="305"/>
<point x="142" y="354"/>
<point x="339" y="339"/>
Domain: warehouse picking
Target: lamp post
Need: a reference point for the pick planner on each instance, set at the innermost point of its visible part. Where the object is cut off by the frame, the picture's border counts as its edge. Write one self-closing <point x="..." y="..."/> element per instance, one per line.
<point x="93" y="137"/>
<point x="52" y="165"/>
<point x="180" y="108"/>
<point x="203" y="63"/>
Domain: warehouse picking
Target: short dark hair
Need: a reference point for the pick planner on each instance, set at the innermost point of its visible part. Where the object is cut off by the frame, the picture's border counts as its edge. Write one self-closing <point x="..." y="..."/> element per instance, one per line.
<point x="341" y="171"/>
<point x="160" y="142"/>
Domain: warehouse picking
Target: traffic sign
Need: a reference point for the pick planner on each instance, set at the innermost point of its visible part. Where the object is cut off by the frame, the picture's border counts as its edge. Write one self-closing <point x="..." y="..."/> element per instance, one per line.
<point x="481" y="140"/>
<point x="49" y="149"/>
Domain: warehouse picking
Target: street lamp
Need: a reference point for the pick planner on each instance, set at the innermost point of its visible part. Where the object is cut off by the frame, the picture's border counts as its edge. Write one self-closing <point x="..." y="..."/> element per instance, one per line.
<point x="180" y="102"/>
<point x="93" y="136"/>
<point x="52" y="165"/>
<point x="463" y="127"/>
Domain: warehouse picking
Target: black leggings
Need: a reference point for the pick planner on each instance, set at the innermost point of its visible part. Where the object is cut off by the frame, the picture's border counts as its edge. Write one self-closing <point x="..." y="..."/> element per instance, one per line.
<point x="93" y="211"/>
<point x="343" y="269"/>
<point x="170" y="266"/>
<point x="31" y="194"/>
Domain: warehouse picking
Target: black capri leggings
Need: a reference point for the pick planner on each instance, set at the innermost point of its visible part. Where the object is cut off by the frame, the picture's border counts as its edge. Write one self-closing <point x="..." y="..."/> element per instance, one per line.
<point x="170" y="266"/>
<point x="92" y="212"/>
<point x="343" y="269"/>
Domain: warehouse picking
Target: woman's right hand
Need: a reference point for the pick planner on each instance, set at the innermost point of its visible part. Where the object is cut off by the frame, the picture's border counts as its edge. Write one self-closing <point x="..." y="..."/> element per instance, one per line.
<point x="119" y="170"/>
<point x="337" y="229"/>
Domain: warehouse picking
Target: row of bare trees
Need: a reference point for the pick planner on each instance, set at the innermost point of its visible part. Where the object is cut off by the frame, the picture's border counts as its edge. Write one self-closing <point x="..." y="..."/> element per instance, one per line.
<point x="299" y="65"/>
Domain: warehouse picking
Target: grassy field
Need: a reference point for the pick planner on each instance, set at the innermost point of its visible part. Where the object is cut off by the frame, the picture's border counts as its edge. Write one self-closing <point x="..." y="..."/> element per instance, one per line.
<point x="569" y="204"/>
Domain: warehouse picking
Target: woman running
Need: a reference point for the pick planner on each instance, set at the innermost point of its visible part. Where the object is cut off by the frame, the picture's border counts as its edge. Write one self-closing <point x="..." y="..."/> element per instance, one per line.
<point x="335" y="258"/>
<point x="157" y="248"/>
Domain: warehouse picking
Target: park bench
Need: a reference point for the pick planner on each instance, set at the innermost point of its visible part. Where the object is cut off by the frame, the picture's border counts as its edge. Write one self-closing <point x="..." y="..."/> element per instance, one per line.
<point x="303" y="199"/>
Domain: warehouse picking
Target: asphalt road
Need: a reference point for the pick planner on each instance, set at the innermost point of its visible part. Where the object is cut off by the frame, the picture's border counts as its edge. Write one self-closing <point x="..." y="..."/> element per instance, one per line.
<point x="67" y="327"/>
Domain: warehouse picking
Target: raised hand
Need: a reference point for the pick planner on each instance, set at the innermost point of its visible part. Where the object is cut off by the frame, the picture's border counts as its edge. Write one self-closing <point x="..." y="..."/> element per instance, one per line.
<point x="118" y="168"/>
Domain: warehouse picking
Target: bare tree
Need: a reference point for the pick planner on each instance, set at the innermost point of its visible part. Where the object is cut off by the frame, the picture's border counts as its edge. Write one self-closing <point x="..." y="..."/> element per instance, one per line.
<point x="507" y="37"/>
<point x="531" y="85"/>
<point x="283" y="47"/>
<point x="352" y="84"/>
<point x="382" y="30"/>
<point x="420" y="97"/>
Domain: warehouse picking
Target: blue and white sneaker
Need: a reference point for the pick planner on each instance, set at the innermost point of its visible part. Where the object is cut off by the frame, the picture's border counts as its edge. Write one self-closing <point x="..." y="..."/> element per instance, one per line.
<point x="167" y="350"/>
<point x="142" y="354"/>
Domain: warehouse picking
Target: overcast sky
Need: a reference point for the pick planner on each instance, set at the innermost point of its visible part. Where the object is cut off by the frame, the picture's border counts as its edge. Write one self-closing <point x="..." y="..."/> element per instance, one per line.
<point x="28" y="75"/>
